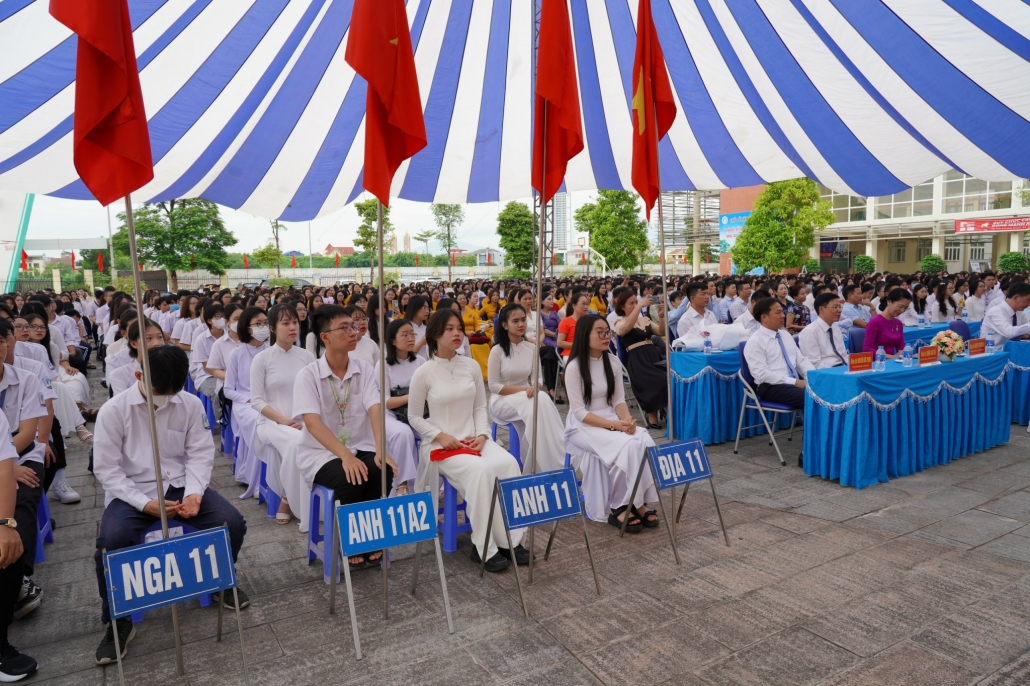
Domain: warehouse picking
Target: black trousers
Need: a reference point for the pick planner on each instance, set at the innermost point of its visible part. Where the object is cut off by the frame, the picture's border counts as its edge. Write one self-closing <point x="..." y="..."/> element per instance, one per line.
<point x="60" y="460"/>
<point x="25" y="514"/>
<point x="79" y="360"/>
<point x="549" y="365"/>
<point x="331" y="475"/>
<point x="10" y="586"/>
<point x="784" y="394"/>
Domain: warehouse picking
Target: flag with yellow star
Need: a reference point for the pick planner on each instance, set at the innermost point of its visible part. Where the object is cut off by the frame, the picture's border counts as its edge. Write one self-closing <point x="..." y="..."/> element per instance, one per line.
<point x="653" y="107"/>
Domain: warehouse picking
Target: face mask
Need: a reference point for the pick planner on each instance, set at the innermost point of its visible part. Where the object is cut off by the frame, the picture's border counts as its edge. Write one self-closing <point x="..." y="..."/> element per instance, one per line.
<point x="174" y="308"/>
<point x="232" y="327"/>
<point x="160" y="401"/>
<point x="218" y="323"/>
<point x="260" y="333"/>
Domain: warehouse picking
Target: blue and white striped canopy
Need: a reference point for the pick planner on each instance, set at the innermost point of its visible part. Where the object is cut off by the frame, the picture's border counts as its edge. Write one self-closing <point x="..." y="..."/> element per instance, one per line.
<point x="251" y="104"/>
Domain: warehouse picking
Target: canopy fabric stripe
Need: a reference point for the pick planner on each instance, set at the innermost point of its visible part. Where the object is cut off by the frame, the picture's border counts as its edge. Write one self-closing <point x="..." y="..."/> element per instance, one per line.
<point x="252" y="105"/>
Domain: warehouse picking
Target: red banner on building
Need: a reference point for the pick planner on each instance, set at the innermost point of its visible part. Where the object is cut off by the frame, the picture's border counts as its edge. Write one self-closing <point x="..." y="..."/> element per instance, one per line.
<point x="992" y="225"/>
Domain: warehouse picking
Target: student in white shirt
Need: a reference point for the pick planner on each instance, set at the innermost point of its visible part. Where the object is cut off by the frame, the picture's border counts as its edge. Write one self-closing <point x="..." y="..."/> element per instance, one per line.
<point x="510" y="375"/>
<point x="14" y="665"/>
<point x="822" y="342"/>
<point x="337" y="400"/>
<point x="272" y="376"/>
<point x="417" y="313"/>
<point x="776" y="364"/>
<point x="1008" y="319"/>
<point x="123" y="463"/>
<point x="452" y="385"/>
<point x="944" y="307"/>
<point x="366" y="349"/>
<point x="212" y="328"/>
<point x="187" y="312"/>
<point x="604" y="440"/>
<point x="124" y="377"/>
<point x="747" y="319"/>
<point x="254" y="333"/>
<point x="401" y="363"/>
<point x="697" y="317"/>
<point x="994" y="294"/>
<point x="224" y="346"/>
<point x="910" y="317"/>
<point x="974" y="305"/>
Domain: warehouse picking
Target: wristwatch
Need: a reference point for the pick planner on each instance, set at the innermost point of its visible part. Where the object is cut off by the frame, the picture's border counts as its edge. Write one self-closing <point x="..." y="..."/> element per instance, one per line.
<point x="10" y="523"/>
<point x="611" y="427"/>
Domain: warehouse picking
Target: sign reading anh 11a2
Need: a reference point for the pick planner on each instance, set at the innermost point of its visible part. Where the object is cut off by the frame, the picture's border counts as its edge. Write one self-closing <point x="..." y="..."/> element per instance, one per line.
<point x="151" y="575"/>
<point x="539" y="498"/>
<point x="385" y="523"/>
<point x="675" y="464"/>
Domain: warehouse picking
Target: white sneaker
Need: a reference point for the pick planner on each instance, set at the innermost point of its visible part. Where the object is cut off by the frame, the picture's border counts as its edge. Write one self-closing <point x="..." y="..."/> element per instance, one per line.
<point x="65" y="493"/>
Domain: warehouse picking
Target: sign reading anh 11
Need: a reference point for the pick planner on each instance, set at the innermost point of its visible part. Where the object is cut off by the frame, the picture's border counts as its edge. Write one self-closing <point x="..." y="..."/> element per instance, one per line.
<point x="152" y="575"/>
<point x="539" y="498"/>
<point x="676" y="464"/>
<point x="385" y="523"/>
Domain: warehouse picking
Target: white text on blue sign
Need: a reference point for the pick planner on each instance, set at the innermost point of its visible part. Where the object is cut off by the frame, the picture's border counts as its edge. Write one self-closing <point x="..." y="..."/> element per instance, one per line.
<point x="679" y="463"/>
<point x="538" y="498"/>
<point x="385" y="523"/>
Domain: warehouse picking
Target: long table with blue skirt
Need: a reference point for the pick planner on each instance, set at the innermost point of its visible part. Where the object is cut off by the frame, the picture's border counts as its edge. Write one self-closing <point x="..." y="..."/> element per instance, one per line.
<point x="868" y="427"/>
<point x="916" y="337"/>
<point x="706" y="398"/>
<point x="1019" y="364"/>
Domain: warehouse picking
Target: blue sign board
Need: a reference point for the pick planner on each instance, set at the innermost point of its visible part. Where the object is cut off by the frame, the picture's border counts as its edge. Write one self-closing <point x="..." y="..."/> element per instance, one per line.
<point x="385" y="523"/>
<point x="539" y="498"/>
<point x="730" y="226"/>
<point x="152" y="575"/>
<point x="676" y="464"/>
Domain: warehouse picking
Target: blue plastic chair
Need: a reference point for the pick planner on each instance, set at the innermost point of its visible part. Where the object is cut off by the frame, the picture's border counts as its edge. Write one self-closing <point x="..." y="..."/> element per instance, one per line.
<point x="267" y="495"/>
<point x="856" y="337"/>
<point x="228" y="440"/>
<point x="46" y="532"/>
<point x="753" y="402"/>
<point x="205" y="600"/>
<point x="189" y="385"/>
<point x="322" y="507"/>
<point x="961" y="328"/>
<point x="514" y="444"/>
<point x="209" y="410"/>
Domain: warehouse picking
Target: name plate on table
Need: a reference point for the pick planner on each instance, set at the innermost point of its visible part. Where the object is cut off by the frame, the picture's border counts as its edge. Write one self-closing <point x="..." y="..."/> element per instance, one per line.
<point x="152" y="575"/>
<point x="385" y="523"/>
<point x="976" y="346"/>
<point x="860" y="362"/>
<point x="928" y="354"/>
<point x="676" y="464"/>
<point x="539" y="498"/>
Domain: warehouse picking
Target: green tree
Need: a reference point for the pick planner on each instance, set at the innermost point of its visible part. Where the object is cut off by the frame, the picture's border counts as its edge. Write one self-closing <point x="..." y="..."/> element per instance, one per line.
<point x="864" y="264"/>
<point x="267" y="256"/>
<point x="277" y="228"/>
<point x="447" y="218"/>
<point x="515" y="227"/>
<point x="1013" y="262"/>
<point x="615" y="227"/>
<point x="931" y="264"/>
<point x="367" y="238"/>
<point x="178" y="235"/>
<point x="424" y="238"/>
<point x="811" y="265"/>
<point x="781" y="228"/>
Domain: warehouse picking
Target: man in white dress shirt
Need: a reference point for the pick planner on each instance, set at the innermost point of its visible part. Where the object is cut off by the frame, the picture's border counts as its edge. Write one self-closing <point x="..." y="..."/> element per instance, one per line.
<point x="697" y="317"/>
<point x="1008" y="319"/>
<point x="776" y="364"/>
<point x="743" y="300"/>
<point x="994" y="295"/>
<point x="822" y="341"/>
<point x="123" y="462"/>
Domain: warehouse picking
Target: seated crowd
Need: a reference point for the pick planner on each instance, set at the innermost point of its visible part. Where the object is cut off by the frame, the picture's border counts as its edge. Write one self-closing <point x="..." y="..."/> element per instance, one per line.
<point x="295" y="375"/>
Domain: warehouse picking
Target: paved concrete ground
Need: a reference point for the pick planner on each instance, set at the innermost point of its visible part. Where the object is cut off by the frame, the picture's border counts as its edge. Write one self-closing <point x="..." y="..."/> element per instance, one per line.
<point x="925" y="580"/>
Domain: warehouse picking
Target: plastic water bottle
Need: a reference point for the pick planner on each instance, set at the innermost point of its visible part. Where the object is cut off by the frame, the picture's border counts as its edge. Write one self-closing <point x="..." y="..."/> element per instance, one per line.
<point x="881" y="359"/>
<point x="965" y="314"/>
<point x="922" y="322"/>
<point x="906" y="356"/>
<point x="989" y="345"/>
<point x="708" y="343"/>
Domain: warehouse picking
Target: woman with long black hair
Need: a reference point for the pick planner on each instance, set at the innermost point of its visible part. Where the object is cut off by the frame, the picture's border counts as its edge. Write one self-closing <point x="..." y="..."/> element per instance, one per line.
<point x="605" y="442"/>
<point x="401" y="363"/>
<point x="417" y="313"/>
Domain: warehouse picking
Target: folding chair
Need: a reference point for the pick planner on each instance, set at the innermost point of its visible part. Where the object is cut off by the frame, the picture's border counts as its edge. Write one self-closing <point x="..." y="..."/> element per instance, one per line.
<point x="753" y="402"/>
<point x="620" y="352"/>
<point x="856" y="337"/>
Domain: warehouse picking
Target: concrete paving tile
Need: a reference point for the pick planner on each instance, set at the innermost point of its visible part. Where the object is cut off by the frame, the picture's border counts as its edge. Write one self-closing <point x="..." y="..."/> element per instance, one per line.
<point x="849" y="577"/>
<point x="950" y="500"/>
<point x="821" y="509"/>
<point x="1015" y="673"/>
<point x="1014" y="505"/>
<point x="995" y="483"/>
<point x="655" y="656"/>
<point x="66" y="656"/>
<point x="569" y="672"/>
<point x="898" y="519"/>
<point x="868" y="499"/>
<point x="973" y="528"/>
<point x="50" y="624"/>
<point x="794" y="657"/>
<point x="612" y="617"/>
<point x="1004" y="567"/>
<point x="736" y="576"/>
<point x="795" y="523"/>
<point x="1010" y="545"/>
<point x="281" y="575"/>
<point x="517" y="652"/>
<point x="434" y="672"/>
<point x="690" y="593"/>
<point x="905" y="665"/>
<point x="874" y="622"/>
<point x="906" y="553"/>
<point x="923" y="535"/>
<point x="554" y="596"/>
<point x="955" y="584"/>
<point x="981" y="637"/>
<point x="735" y="513"/>
<point x="93" y="676"/>
<point x="66" y="572"/>
<point x="737" y="623"/>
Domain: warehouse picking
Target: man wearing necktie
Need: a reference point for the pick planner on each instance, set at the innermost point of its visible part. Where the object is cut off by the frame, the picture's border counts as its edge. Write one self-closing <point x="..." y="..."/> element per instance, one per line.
<point x="1008" y="319"/>
<point x="822" y="341"/>
<point x="776" y="364"/>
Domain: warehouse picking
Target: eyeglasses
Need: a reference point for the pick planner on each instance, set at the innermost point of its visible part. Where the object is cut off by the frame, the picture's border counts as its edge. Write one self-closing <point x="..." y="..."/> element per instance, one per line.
<point x="349" y="328"/>
<point x="605" y="333"/>
<point x="408" y="334"/>
<point x="37" y="327"/>
<point x="21" y="327"/>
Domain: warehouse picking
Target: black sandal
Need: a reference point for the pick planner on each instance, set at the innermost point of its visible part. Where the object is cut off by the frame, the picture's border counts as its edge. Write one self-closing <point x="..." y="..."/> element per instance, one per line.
<point x="649" y="519"/>
<point x="631" y="528"/>
<point x="355" y="566"/>
<point x="654" y="426"/>
<point x="378" y="560"/>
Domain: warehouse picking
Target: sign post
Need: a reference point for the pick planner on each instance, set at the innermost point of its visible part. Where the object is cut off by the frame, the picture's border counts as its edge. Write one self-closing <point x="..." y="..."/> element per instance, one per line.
<point x="169" y="571"/>
<point x="534" y="499"/>
<point x="677" y="464"/>
<point x="381" y="524"/>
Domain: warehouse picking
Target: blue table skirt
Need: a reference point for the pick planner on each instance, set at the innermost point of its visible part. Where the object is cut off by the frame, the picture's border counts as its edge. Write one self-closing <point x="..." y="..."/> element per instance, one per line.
<point x="706" y="398"/>
<point x="916" y="337"/>
<point x="1019" y="366"/>
<point x="861" y="442"/>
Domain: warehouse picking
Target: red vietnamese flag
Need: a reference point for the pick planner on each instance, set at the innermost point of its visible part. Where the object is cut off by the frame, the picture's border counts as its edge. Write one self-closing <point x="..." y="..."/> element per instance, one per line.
<point x="454" y="259"/>
<point x="379" y="49"/>
<point x="246" y="264"/>
<point x="488" y="258"/>
<point x="111" y="141"/>
<point x="73" y="260"/>
<point x="416" y="259"/>
<point x="337" y="259"/>
<point x="24" y="261"/>
<point x="555" y="85"/>
<point x="100" y="261"/>
<point x="293" y="261"/>
<point x="654" y="108"/>
<point x="554" y="259"/>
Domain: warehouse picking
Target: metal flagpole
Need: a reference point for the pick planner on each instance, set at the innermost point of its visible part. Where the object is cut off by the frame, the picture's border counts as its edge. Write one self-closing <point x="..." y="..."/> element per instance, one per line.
<point x="110" y="241"/>
<point x="382" y="392"/>
<point x="148" y="392"/>
<point x="535" y="379"/>
<point x="311" y="257"/>
<point x="665" y="289"/>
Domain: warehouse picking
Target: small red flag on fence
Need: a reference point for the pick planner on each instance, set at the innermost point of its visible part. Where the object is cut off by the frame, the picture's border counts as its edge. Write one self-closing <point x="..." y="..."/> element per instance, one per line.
<point x="100" y="261"/>
<point x="73" y="260"/>
<point x="416" y="259"/>
<point x="293" y="261"/>
<point x="246" y="263"/>
<point x="337" y="259"/>
<point x="24" y="260"/>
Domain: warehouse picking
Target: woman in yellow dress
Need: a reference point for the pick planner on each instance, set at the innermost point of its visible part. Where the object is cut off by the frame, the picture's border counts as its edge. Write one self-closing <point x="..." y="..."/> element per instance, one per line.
<point x="599" y="303"/>
<point x="469" y="313"/>
<point x="490" y="308"/>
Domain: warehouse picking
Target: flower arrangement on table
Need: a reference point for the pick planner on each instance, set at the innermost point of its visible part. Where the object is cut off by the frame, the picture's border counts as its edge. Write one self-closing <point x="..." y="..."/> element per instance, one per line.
<point x="949" y="343"/>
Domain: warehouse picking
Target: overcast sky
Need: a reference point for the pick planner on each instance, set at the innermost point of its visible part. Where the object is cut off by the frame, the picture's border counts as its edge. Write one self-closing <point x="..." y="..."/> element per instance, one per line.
<point x="57" y="218"/>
